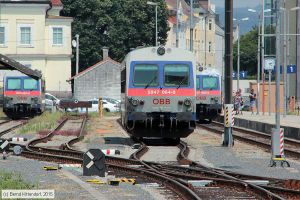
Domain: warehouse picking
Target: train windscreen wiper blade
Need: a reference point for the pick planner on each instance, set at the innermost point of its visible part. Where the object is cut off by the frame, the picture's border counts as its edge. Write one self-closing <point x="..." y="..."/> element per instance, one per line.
<point x="181" y="82"/>
<point x="154" y="78"/>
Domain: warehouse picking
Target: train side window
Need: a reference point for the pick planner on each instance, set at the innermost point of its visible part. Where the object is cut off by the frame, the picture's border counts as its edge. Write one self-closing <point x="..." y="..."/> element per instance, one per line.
<point x="198" y="83"/>
<point x="123" y="80"/>
<point x="43" y="86"/>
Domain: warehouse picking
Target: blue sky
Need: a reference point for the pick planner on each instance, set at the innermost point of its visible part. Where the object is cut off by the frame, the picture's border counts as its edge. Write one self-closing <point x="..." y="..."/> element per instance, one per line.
<point x="238" y="3"/>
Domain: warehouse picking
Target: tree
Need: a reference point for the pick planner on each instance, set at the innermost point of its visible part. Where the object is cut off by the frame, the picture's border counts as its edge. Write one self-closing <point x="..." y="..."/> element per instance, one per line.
<point x="117" y="24"/>
<point x="248" y="52"/>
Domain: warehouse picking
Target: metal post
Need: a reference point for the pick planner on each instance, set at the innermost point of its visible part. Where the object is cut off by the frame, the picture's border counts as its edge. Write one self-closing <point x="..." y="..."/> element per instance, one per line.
<point x="238" y="58"/>
<point x="258" y="69"/>
<point x="263" y="56"/>
<point x="288" y="53"/>
<point x="284" y="67"/>
<point x="177" y="23"/>
<point x="269" y="102"/>
<point x="205" y="41"/>
<point x="77" y="53"/>
<point x="156" y="41"/>
<point x="228" y="139"/>
<point x="191" y="26"/>
<point x="278" y="61"/>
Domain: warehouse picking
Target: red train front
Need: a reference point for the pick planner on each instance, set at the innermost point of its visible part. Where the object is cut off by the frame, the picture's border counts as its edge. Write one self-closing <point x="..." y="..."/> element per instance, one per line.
<point x="23" y="96"/>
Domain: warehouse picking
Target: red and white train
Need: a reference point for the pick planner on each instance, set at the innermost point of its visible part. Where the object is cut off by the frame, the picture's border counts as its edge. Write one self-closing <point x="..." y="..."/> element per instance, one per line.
<point x="23" y="96"/>
<point x="208" y="99"/>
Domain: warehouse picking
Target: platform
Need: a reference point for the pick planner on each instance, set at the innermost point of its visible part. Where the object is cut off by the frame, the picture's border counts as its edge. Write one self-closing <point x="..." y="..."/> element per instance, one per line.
<point x="265" y="123"/>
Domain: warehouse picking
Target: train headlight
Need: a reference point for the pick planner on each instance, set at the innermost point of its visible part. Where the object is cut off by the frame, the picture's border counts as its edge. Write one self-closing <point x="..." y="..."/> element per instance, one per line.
<point x="216" y="99"/>
<point x="142" y="102"/>
<point x="161" y="51"/>
<point x="134" y="102"/>
<point x="188" y="102"/>
<point x="35" y="99"/>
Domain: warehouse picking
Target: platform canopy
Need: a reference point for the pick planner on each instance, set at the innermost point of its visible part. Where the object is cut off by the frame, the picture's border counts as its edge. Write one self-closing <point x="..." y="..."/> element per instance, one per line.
<point x="10" y="64"/>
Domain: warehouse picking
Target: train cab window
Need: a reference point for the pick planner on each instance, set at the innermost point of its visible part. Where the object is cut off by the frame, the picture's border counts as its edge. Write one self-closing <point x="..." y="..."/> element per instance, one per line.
<point x="176" y="75"/>
<point x="198" y="83"/>
<point x="30" y="84"/>
<point x="210" y="83"/>
<point x="145" y="75"/>
<point x="14" y="84"/>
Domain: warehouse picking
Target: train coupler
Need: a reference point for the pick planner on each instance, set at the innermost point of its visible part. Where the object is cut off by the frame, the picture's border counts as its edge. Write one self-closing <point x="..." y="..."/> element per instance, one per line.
<point x="161" y="121"/>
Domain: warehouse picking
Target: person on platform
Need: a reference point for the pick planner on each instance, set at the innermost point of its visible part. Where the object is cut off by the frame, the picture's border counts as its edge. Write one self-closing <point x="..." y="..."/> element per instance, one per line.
<point x="252" y="97"/>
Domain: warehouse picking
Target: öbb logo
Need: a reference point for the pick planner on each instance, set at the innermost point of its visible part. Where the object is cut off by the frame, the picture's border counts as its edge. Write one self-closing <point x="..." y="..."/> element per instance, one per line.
<point x="161" y="101"/>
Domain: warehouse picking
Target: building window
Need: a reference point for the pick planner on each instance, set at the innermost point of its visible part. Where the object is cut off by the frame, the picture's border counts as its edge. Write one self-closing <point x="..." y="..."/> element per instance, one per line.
<point x="210" y="25"/>
<point x="57" y="36"/>
<point x="209" y="47"/>
<point x="2" y="35"/>
<point x="25" y="35"/>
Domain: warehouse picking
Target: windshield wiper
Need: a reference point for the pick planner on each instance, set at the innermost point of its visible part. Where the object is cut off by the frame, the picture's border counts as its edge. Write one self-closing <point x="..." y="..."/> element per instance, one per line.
<point x="181" y="82"/>
<point x="154" y="78"/>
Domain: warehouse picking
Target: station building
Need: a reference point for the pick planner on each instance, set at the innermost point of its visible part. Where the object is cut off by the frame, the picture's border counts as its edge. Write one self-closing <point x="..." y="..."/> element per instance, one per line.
<point x="34" y="34"/>
<point x="99" y="80"/>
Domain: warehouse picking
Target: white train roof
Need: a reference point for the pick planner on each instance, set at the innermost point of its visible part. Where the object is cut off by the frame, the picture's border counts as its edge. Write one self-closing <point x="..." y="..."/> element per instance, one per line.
<point x="210" y="72"/>
<point x="150" y="54"/>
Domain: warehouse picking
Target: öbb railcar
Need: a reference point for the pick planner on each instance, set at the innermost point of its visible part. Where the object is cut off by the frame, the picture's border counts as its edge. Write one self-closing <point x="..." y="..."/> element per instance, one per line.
<point x="208" y="98"/>
<point x="22" y="96"/>
<point x="158" y="93"/>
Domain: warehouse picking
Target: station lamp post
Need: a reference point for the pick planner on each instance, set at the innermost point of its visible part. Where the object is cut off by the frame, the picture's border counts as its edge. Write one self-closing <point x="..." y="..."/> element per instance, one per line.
<point x="154" y="4"/>
<point x="238" y="58"/>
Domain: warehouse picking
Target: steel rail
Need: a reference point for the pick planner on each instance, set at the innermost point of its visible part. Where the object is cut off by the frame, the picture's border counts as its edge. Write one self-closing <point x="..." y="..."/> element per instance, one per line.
<point x="254" y="141"/>
<point x="266" y="193"/>
<point x="12" y="128"/>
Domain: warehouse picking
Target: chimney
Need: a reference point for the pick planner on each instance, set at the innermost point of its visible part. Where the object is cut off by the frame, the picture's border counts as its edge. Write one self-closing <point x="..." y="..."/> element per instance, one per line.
<point x="105" y="53"/>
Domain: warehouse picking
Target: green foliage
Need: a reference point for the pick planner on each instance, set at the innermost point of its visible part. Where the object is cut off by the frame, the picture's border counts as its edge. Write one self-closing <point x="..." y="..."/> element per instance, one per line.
<point x="45" y="121"/>
<point x="248" y="52"/>
<point x="117" y="24"/>
<point x="13" y="181"/>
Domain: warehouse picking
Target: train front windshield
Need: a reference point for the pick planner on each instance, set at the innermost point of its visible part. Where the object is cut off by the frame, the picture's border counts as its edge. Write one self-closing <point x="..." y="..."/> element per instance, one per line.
<point x="30" y="84"/>
<point x="208" y="83"/>
<point x="14" y="84"/>
<point x="176" y="75"/>
<point x="145" y="75"/>
<point x="22" y="83"/>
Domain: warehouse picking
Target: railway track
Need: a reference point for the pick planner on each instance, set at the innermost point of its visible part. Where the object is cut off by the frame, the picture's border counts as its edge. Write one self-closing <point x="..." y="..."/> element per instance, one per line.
<point x="231" y="185"/>
<point x="11" y="125"/>
<point x="173" y="177"/>
<point x="292" y="147"/>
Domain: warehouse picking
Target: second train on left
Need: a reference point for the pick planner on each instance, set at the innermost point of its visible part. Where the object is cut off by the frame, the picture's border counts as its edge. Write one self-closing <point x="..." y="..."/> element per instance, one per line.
<point x="23" y="96"/>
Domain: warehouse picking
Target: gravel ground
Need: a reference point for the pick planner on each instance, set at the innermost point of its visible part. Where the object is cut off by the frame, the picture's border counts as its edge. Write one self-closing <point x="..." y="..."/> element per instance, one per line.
<point x="106" y="133"/>
<point x="69" y="183"/>
<point x="155" y="153"/>
<point x="244" y="158"/>
<point x="32" y="172"/>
